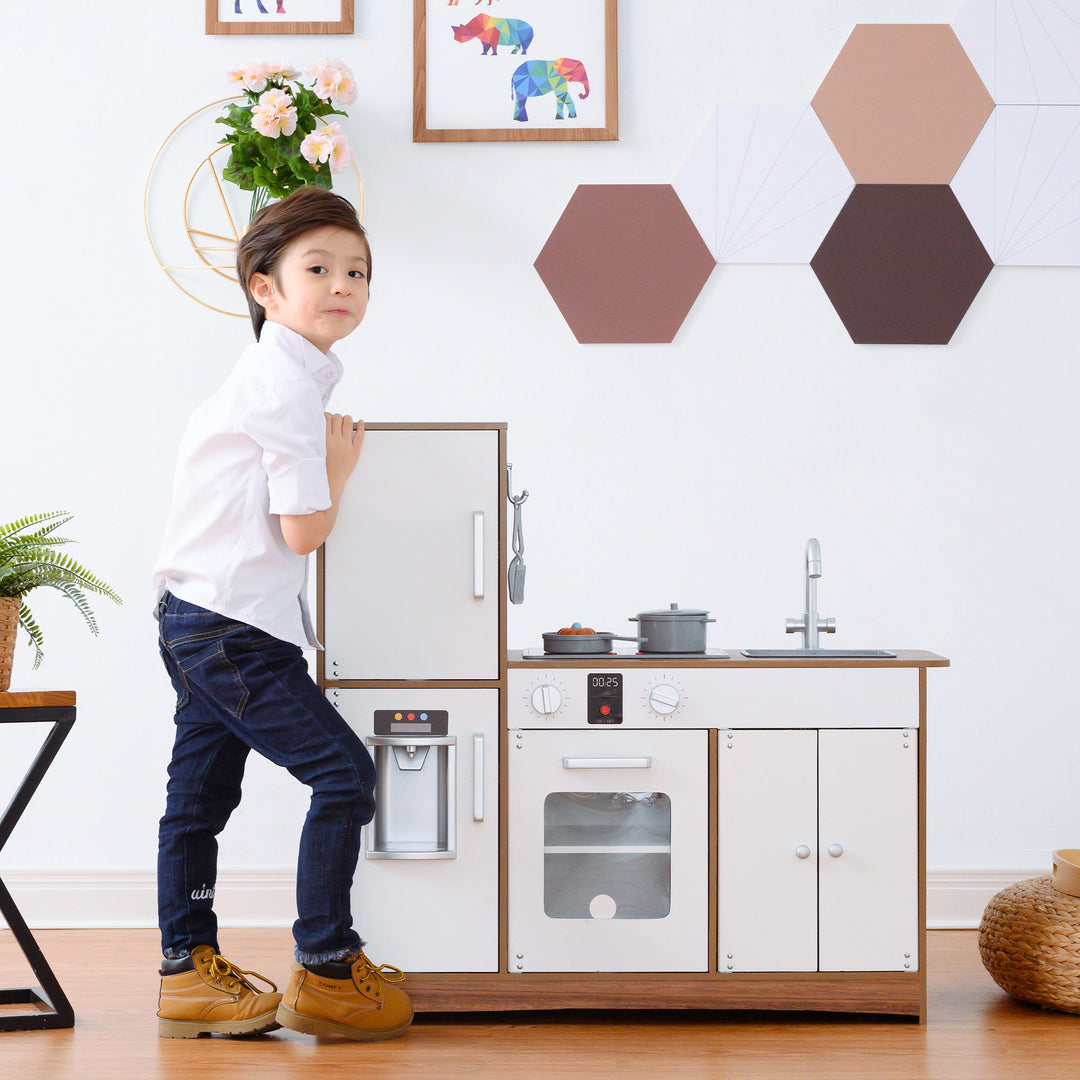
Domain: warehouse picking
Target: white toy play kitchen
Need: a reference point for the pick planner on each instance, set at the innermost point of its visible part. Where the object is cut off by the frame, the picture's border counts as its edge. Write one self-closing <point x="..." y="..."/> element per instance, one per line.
<point x="746" y="827"/>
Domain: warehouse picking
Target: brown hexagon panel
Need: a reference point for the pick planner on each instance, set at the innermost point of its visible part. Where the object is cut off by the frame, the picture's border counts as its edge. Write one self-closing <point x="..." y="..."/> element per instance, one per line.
<point x="901" y="264"/>
<point x="624" y="263"/>
<point x="902" y="103"/>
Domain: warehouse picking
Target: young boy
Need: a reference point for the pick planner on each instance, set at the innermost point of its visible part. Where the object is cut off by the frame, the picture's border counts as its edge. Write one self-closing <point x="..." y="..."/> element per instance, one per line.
<point x="259" y="478"/>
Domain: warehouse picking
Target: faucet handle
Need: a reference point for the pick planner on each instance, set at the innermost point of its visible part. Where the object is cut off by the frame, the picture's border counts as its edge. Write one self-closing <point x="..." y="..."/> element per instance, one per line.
<point x="826" y="626"/>
<point x="794" y="626"/>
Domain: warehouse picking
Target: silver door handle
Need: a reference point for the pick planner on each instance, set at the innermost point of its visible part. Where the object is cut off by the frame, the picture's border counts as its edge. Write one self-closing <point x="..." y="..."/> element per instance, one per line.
<point x="478" y="554"/>
<point x="607" y="763"/>
<point x="478" y="777"/>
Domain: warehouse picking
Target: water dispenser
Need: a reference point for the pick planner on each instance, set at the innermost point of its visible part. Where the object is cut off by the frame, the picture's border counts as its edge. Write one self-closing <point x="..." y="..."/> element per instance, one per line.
<point x="416" y="787"/>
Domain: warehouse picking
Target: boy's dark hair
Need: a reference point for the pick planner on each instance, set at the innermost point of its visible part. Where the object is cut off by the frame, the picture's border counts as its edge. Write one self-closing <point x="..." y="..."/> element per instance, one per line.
<point x="276" y="226"/>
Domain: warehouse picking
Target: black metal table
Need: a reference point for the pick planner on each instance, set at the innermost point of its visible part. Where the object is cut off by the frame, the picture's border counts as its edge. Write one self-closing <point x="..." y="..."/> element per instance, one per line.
<point x="49" y="1006"/>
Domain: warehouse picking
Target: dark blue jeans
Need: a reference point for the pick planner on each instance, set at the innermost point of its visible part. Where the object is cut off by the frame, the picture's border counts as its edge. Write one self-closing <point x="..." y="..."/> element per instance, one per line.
<point x="239" y="689"/>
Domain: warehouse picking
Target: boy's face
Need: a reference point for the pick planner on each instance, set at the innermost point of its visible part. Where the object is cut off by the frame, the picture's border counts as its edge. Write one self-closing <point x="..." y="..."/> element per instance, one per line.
<point x="319" y="288"/>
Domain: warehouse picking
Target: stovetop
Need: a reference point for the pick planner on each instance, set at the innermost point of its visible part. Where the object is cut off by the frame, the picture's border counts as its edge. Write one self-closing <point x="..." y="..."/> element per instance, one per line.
<point x="592" y="658"/>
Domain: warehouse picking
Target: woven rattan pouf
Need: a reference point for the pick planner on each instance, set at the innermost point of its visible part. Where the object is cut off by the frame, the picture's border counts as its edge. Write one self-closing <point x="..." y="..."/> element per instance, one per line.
<point x="1029" y="940"/>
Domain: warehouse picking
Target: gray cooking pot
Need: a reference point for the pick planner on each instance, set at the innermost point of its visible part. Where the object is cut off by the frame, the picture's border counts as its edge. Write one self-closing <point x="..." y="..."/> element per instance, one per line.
<point x="674" y="630"/>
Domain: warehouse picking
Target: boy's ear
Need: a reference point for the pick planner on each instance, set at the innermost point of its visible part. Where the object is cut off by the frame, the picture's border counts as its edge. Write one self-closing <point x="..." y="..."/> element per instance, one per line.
<point x="261" y="287"/>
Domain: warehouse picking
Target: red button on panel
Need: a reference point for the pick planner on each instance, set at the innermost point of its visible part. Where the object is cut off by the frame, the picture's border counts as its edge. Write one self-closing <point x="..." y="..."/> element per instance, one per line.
<point x="605" y="709"/>
<point x="410" y="716"/>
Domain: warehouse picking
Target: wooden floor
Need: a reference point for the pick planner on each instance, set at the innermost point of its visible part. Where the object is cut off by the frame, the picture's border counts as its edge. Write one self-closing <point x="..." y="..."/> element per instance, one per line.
<point x="975" y="1032"/>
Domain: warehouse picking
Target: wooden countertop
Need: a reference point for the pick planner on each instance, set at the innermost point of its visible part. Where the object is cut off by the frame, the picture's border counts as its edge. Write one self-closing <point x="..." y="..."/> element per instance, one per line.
<point x="28" y="699"/>
<point x="916" y="658"/>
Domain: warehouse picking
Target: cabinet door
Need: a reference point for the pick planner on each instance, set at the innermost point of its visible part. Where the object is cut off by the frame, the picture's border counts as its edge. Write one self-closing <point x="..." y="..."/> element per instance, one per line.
<point x="607" y="863"/>
<point x="411" y="574"/>
<point x="869" y="864"/>
<point x="438" y="914"/>
<point x="767" y="852"/>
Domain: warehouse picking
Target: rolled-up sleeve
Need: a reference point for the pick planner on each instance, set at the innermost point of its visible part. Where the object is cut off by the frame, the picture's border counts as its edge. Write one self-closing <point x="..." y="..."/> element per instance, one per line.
<point x="290" y="428"/>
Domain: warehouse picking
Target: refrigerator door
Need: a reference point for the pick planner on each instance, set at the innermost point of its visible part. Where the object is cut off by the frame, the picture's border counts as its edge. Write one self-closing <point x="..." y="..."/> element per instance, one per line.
<point x="412" y="568"/>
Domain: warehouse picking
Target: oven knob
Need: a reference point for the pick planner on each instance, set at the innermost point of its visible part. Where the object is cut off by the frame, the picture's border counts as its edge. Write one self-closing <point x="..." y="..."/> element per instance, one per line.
<point x="546" y="699"/>
<point x="664" y="698"/>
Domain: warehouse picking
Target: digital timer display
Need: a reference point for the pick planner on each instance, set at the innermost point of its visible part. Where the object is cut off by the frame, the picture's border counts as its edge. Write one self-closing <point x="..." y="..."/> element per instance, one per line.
<point x="604" y="698"/>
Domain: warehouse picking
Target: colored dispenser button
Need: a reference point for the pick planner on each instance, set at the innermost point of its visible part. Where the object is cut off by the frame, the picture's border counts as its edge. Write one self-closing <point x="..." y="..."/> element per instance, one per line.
<point x="605" y="710"/>
<point x="397" y="716"/>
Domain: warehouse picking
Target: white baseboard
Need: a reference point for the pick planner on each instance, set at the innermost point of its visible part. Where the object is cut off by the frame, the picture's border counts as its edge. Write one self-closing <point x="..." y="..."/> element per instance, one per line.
<point x="956" y="899"/>
<point x="67" y="899"/>
<point x="266" y="896"/>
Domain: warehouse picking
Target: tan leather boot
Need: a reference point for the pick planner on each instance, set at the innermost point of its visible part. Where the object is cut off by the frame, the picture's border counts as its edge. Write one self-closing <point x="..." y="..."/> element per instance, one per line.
<point x="214" y="998"/>
<point x="362" y="1005"/>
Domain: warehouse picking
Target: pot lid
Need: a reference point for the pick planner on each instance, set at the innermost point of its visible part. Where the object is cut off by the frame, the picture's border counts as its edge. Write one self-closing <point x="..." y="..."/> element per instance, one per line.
<point x="673" y="612"/>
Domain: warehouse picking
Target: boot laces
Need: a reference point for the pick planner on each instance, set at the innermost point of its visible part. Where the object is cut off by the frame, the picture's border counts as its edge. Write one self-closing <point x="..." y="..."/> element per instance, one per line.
<point x="233" y="977"/>
<point x="383" y="972"/>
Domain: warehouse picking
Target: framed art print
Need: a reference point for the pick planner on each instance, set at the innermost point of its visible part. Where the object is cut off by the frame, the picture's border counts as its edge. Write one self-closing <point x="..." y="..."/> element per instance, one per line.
<point x="514" y="70"/>
<point x="279" y="16"/>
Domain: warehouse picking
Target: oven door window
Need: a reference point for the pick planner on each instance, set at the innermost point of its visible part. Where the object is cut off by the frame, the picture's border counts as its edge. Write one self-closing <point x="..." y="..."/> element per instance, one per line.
<point x="607" y="855"/>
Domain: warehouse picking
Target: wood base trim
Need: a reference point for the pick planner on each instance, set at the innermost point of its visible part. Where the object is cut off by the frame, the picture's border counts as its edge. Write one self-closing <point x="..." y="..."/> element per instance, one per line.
<point x="894" y="993"/>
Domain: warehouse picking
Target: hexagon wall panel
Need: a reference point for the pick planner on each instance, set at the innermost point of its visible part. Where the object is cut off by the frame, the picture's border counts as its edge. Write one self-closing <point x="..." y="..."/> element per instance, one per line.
<point x="1026" y="53"/>
<point x="901" y="264"/>
<point x="902" y="103"/>
<point x="1020" y="185"/>
<point x="624" y="263"/>
<point x="763" y="183"/>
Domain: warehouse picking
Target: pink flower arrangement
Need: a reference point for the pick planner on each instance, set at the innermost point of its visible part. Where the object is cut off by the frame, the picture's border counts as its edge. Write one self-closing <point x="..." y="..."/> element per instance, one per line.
<point x="277" y="142"/>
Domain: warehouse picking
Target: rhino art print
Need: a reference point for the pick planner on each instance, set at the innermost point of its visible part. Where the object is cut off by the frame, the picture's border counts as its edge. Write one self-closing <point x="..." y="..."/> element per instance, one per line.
<point x="492" y="32"/>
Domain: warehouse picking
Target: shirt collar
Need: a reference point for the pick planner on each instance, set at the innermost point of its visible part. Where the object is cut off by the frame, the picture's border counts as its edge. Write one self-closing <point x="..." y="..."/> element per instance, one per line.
<point x="325" y="368"/>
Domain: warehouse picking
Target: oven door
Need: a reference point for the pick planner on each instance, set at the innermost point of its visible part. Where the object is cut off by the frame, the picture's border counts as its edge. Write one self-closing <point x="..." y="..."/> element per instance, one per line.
<point x="608" y="866"/>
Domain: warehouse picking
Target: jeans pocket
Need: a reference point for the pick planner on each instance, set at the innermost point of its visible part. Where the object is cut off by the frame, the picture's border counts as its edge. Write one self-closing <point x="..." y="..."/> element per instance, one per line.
<point x="208" y="667"/>
<point x="176" y="676"/>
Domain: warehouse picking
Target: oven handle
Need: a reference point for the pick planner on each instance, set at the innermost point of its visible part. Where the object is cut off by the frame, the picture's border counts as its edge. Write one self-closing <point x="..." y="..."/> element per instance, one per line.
<point x="607" y="763"/>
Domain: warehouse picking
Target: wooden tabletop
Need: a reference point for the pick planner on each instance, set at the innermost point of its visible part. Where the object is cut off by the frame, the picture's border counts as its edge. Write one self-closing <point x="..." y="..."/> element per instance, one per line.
<point x="904" y="658"/>
<point x="28" y="699"/>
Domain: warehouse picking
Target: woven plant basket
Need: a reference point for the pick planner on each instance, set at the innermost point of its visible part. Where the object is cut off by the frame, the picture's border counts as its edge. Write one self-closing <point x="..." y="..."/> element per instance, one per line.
<point x="1029" y="940"/>
<point x="9" y="624"/>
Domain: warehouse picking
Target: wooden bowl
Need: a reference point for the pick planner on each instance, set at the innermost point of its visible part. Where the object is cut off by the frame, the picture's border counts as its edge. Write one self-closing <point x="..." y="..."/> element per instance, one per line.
<point x="1067" y="871"/>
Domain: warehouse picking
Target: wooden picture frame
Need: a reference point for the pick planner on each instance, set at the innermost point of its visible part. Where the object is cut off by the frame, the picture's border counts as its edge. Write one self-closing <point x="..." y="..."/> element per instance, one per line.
<point x="268" y="23"/>
<point x="470" y="78"/>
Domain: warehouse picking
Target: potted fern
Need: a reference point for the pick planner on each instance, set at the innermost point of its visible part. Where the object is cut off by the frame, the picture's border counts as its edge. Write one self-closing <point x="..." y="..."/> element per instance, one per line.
<point x="29" y="560"/>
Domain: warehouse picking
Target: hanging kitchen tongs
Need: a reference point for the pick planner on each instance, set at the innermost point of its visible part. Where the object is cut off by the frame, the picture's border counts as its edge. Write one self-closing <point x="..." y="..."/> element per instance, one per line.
<point x="515" y="574"/>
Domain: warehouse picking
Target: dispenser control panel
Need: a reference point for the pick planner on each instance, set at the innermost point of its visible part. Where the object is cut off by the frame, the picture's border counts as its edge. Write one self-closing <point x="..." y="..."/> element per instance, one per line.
<point x="421" y="722"/>
<point x="605" y="697"/>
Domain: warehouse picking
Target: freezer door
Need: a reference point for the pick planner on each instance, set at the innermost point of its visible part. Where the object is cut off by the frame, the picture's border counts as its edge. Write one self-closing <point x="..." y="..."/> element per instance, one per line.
<point x="412" y="569"/>
<point x="441" y="913"/>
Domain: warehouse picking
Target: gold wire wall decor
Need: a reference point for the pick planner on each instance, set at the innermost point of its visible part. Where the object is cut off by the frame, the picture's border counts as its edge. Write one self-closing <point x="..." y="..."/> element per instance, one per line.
<point x="194" y="219"/>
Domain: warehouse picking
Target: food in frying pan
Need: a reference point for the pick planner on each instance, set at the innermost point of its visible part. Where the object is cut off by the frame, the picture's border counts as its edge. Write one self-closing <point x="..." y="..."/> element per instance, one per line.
<point x="577" y="628"/>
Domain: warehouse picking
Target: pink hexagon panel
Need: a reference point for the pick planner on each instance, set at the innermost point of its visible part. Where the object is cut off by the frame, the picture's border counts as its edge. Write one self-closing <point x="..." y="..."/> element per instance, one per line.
<point x="624" y="263"/>
<point x="901" y="264"/>
<point x="902" y="103"/>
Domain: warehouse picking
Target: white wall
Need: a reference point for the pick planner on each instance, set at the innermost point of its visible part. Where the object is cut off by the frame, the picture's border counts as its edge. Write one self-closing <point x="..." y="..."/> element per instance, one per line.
<point x="940" y="480"/>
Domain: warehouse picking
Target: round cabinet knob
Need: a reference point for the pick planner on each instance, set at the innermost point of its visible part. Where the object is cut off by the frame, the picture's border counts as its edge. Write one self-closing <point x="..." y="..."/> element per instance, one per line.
<point x="546" y="699"/>
<point x="802" y="851"/>
<point x="836" y="850"/>
<point x="664" y="698"/>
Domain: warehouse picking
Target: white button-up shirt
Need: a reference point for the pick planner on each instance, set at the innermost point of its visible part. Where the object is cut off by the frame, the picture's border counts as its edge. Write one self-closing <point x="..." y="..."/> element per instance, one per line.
<point x="253" y="450"/>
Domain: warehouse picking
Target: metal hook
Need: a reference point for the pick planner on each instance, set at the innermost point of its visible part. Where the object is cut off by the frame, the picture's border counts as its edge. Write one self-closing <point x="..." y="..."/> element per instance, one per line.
<point x="517" y="500"/>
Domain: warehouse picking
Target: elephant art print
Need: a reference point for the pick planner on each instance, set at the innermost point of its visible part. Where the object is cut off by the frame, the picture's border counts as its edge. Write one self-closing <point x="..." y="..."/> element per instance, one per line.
<point x="538" y="77"/>
<point x="492" y="32"/>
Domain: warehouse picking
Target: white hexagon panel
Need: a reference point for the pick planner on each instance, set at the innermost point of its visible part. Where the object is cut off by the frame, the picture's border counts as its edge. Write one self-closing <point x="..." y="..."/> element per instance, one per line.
<point x="1020" y="185"/>
<point x="763" y="183"/>
<point x="1027" y="52"/>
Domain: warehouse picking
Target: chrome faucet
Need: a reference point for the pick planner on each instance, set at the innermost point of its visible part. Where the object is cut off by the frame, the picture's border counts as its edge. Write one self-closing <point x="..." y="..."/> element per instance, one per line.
<point x="811" y="624"/>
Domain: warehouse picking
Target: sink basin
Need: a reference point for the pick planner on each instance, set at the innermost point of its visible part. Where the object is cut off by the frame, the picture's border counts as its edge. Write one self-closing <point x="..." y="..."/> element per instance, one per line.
<point x="811" y="654"/>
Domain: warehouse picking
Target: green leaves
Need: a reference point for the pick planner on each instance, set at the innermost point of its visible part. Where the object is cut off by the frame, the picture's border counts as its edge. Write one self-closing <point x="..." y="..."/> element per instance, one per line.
<point x="29" y="560"/>
<point x="276" y="164"/>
